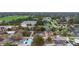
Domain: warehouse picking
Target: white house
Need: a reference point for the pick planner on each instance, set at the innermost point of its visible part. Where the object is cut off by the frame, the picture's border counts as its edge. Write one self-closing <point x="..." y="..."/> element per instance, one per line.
<point x="47" y="19"/>
<point x="10" y="32"/>
<point x="28" y="23"/>
<point x="9" y="27"/>
<point x="77" y="40"/>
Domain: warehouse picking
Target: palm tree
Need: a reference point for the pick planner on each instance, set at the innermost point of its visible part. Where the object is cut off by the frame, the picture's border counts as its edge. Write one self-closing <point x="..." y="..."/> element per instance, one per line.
<point x="52" y="25"/>
<point x="55" y="27"/>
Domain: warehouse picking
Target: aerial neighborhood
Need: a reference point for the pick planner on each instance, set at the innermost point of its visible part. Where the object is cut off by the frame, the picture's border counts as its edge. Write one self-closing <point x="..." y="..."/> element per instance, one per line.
<point x="39" y="30"/>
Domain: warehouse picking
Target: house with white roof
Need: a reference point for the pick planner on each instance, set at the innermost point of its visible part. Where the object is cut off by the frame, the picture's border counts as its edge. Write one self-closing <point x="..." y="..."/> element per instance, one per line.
<point x="28" y="23"/>
<point x="47" y="19"/>
<point x="10" y="32"/>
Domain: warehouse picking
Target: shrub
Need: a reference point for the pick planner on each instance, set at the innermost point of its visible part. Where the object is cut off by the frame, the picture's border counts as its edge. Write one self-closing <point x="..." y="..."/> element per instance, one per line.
<point x="49" y="40"/>
<point x="9" y="44"/>
<point x="38" y="41"/>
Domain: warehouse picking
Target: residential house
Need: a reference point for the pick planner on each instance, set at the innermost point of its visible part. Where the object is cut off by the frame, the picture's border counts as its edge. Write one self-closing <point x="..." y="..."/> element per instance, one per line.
<point x="28" y="23"/>
<point x="2" y="28"/>
<point x="47" y="19"/>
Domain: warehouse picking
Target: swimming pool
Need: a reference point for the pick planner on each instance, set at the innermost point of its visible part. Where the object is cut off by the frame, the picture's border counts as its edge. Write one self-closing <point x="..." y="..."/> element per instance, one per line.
<point x="26" y="42"/>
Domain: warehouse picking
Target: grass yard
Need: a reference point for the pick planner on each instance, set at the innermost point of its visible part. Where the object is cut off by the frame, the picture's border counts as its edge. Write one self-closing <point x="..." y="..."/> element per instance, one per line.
<point x="7" y="18"/>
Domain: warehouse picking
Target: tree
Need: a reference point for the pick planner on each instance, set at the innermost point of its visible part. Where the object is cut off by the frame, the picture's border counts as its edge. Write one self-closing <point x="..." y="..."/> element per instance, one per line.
<point x="39" y="28"/>
<point x="3" y="22"/>
<point x="52" y="25"/>
<point x="9" y="44"/>
<point x="64" y="30"/>
<point x="71" y="21"/>
<point x="58" y="29"/>
<point x="38" y="41"/>
<point x="26" y="33"/>
<point x="39" y="23"/>
<point x="49" y="40"/>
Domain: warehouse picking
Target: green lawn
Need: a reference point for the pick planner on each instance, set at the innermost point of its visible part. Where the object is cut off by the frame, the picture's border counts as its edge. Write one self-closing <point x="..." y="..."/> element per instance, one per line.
<point x="7" y="18"/>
